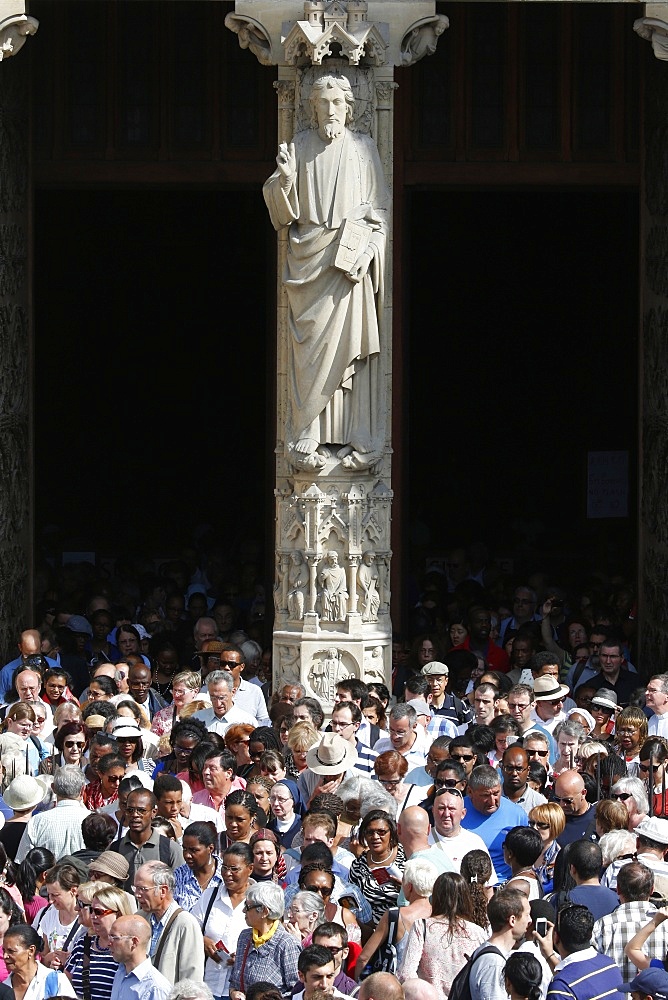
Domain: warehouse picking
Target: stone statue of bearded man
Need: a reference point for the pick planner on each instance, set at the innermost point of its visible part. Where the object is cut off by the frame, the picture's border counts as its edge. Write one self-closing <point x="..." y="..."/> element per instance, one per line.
<point x="328" y="179"/>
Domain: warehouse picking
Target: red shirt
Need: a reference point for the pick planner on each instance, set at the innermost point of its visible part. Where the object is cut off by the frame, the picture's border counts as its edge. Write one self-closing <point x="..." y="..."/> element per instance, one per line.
<point x="495" y="656"/>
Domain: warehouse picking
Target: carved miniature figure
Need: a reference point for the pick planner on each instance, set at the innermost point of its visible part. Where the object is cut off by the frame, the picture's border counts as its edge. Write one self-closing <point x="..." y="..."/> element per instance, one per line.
<point x="289" y="664"/>
<point x="298" y="577"/>
<point x="325" y="674"/>
<point x="422" y="40"/>
<point x="367" y="579"/>
<point x="334" y="592"/>
<point x="374" y="668"/>
<point x="329" y="188"/>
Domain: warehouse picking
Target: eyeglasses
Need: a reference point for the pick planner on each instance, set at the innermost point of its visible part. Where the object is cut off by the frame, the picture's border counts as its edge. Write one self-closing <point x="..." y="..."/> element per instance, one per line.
<point x="559" y="798"/>
<point x="83" y="906"/>
<point x="119" y="937"/>
<point x="537" y="753"/>
<point x="98" y="912"/>
<point x="386" y="783"/>
<point x="445" y="783"/>
<point x="514" y="767"/>
<point x="375" y="832"/>
<point x="114" y="779"/>
<point x="183" y="751"/>
<point x="518" y="707"/>
<point x="539" y="826"/>
<point x="646" y="767"/>
<point x="322" y="889"/>
<point x="70" y="746"/>
<point x="228" y="868"/>
<point x="463" y="758"/>
<point x="341" y="725"/>
<point x="621" y="795"/>
<point x="333" y="950"/>
<point x="219" y="697"/>
<point x="132" y="810"/>
<point x="253" y="906"/>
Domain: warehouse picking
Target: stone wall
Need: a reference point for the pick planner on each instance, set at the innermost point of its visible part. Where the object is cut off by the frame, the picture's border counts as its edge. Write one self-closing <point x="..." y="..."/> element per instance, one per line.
<point x="654" y="370"/>
<point x="15" y="351"/>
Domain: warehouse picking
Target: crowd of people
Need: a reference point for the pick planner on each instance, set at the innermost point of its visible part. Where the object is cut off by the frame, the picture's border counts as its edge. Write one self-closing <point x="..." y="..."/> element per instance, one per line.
<point x="492" y="823"/>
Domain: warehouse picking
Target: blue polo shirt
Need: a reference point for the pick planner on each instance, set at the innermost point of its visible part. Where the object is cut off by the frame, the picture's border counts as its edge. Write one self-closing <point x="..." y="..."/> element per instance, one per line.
<point x="493" y="829"/>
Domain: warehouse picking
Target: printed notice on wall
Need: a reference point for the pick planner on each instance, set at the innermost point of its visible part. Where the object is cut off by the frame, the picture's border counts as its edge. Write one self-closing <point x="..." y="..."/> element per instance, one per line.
<point x="607" y="484"/>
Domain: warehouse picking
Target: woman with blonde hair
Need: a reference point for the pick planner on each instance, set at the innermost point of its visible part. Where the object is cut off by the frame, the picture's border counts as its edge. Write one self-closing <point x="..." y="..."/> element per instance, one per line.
<point x="301" y="738"/>
<point x="91" y="966"/>
<point x="186" y="686"/>
<point x="550" y="821"/>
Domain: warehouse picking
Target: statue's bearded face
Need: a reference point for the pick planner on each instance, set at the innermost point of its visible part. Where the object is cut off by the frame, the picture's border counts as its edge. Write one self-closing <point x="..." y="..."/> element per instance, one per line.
<point x="331" y="110"/>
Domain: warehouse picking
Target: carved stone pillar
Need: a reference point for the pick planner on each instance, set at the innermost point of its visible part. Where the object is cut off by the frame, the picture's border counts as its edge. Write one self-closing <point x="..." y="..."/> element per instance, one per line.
<point x="330" y="203"/>
<point x="654" y="346"/>
<point x="15" y="346"/>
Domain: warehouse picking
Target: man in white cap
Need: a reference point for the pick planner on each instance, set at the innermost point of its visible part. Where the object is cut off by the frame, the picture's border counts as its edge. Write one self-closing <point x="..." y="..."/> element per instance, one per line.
<point x="549" y="696"/>
<point x="328" y="764"/>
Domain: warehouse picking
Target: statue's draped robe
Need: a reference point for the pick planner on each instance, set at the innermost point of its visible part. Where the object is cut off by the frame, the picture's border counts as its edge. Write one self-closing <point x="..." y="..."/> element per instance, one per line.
<point x="334" y="322"/>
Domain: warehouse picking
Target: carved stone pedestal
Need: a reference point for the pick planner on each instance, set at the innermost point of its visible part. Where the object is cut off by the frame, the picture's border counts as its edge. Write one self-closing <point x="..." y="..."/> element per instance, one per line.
<point x="329" y="200"/>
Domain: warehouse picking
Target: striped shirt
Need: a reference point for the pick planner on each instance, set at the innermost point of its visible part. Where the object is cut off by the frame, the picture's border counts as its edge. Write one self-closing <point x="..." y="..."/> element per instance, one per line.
<point x="365" y="759"/>
<point x="586" y="975"/>
<point x="102" y="969"/>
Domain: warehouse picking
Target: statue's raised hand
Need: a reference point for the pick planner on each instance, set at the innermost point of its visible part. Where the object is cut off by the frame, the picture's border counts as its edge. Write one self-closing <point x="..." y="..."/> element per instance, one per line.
<point x="287" y="163"/>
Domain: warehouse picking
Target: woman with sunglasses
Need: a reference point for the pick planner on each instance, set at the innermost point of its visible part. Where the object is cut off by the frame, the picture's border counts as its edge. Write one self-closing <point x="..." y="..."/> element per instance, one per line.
<point x="391" y="768"/>
<point x="549" y="820"/>
<point x="103" y="790"/>
<point x="265" y="952"/>
<point x="237" y="740"/>
<point x="316" y="878"/>
<point x="91" y="967"/>
<point x="653" y="759"/>
<point x="72" y="741"/>
<point x="219" y="912"/>
<point x="632" y="792"/>
<point x="379" y="870"/>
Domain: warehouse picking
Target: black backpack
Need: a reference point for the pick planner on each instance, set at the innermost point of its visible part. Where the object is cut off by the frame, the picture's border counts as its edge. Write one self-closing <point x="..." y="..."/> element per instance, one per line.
<point x="461" y="985"/>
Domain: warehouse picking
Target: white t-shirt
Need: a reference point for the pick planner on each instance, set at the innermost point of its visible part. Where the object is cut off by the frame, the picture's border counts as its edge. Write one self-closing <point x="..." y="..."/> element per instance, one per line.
<point x="51" y="928"/>
<point x="457" y="847"/>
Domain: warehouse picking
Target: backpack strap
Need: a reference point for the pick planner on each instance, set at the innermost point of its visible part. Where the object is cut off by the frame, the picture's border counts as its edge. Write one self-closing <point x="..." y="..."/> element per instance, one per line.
<point x="73" y="929"/>
<point x="163" y="936"/>
<point x="85" y="967"/>
<point x="165" y="851"/>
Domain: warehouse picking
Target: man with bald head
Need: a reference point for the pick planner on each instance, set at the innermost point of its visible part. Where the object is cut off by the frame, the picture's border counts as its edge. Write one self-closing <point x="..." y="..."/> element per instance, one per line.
<point x="129" y="941"/>
<point x="381" y="986"/>
<point x="569" y="793"/>
<point x="413" y="830"/>
<point x="30" y="644"/>
<point x="418" y="989"/>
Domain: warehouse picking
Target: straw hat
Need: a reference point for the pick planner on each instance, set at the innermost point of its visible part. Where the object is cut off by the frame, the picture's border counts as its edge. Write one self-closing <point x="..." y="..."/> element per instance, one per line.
<point x="333" y="755"/>
<point x="25" y="792"/>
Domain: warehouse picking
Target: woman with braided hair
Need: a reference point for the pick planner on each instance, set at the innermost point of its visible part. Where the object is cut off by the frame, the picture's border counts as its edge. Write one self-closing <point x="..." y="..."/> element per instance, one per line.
<point x="476" y="869"/>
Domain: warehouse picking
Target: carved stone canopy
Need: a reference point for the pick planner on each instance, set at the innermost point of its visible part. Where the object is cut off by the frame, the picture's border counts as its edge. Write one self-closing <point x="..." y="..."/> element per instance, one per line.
<point x="333" y="28"/>
<point x="15" y="26"/>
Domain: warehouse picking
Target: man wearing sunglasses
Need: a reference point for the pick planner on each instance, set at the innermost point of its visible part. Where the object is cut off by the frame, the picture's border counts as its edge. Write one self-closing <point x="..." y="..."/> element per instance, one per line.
<point x="570" y="794"/>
